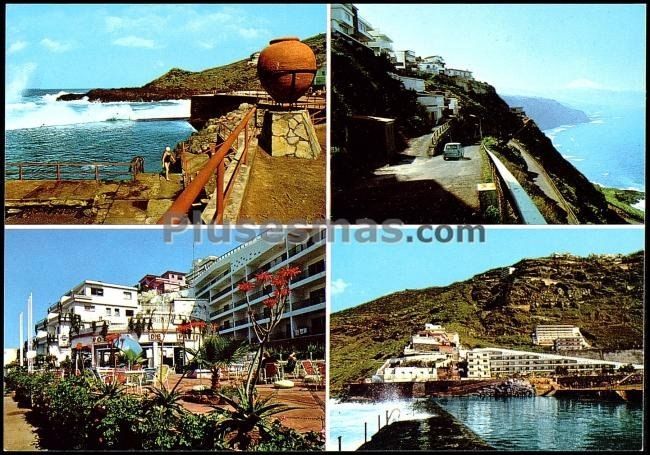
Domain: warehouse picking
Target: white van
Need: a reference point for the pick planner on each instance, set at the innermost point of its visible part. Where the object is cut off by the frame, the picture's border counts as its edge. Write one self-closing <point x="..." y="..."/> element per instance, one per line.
<point x="453" y="150"/>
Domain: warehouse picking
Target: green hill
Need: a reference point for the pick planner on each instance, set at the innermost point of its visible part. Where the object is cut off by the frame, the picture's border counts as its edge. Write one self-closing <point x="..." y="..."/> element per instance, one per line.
<point x="602" y="295"/>
<point x="181" y="84"/>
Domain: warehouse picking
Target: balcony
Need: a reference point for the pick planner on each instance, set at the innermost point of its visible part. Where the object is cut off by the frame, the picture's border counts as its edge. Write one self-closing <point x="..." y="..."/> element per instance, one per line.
<point x="306" y="303"/>
<point x="239" y="322"/>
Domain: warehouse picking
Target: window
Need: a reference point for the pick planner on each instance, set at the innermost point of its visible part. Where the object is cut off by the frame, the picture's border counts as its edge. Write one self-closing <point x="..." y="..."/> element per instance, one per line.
<point x="97" y="291"/>
<point x="128" y="312"/>
<point x="108" y="311"/>
<point x="90" y="308"/>
<point x="127" y="295"/>
<point x="117" y="312"/>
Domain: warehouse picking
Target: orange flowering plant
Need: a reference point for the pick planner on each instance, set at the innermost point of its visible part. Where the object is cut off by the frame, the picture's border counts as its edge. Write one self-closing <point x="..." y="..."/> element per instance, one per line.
<point x="278" y="286"/>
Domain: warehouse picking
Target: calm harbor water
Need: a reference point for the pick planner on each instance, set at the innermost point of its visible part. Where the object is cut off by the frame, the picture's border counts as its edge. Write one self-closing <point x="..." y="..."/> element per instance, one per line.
<point x="547" y="423"/>
<point x="39" y="128"/>
<point x="539" y="423"/>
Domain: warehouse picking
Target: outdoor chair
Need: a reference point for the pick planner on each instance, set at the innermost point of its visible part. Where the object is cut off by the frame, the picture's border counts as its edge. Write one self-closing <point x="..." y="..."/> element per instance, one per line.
<point x="271" y="372"/>
<point x="134" y="381"/>
<point x="149" y="376"/>
<point x="312" y="376"/>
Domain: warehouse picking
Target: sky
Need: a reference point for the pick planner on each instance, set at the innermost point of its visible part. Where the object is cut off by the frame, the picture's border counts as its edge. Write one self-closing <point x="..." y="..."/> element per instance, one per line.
<point x="49" y="262"/>
<point x="526" y="49"/>
<point x="104" y="45"/>
<point x="361" y="272"/>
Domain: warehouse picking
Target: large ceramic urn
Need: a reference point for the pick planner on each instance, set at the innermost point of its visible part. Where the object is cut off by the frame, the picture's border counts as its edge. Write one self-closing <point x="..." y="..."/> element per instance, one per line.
<point x="286" y="68"/>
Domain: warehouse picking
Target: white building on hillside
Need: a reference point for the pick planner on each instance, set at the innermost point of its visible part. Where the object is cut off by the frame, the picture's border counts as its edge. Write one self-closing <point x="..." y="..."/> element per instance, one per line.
<point x="546" y="335"/>
<point x="405" y="60"/>
<point x="410" y="83"/>
<point x="381" y="44"/>
<point x="434" y="102"/>
<point x="433" y="64"/>
<point x="459" y="73"/>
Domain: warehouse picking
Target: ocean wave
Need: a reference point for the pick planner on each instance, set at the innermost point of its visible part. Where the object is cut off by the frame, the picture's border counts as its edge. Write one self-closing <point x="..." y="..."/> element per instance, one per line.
<point x="597" y="121"/>
<point x="639" y="205"/>
<point x="58" y="113"/>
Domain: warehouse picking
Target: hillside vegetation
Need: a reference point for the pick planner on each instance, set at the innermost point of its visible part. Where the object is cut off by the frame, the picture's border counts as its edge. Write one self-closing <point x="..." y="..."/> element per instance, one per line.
<point x="600" y="294"/>
<point x="181" y="84"/>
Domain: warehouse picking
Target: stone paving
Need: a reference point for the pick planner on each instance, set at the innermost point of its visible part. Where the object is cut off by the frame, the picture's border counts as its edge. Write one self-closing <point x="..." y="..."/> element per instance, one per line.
<point x="19" y="435"/>
<point x="308" y="413"/>
<point x="142" y="201"/>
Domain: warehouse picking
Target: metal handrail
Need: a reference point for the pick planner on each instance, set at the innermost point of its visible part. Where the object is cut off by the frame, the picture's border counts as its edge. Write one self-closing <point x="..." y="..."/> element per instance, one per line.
<point x="182" y="205"/>
<point x="60" y="165"/>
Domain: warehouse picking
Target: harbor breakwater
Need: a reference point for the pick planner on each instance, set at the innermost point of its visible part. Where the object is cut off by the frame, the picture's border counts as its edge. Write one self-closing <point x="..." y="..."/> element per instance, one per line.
<point x="441" y="431"/>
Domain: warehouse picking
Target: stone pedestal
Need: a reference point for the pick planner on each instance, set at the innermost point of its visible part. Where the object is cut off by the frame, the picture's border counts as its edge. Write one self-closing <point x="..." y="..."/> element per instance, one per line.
<point x="289" y="133"/>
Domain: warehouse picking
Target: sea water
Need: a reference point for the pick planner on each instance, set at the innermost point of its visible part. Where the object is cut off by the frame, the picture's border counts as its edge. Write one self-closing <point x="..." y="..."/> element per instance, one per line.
<point x="534" y="423"/>
<point x="39" y="128"/>
<point x="548" y="423"/>
<point x="609" y="150"/>
<point x="346" y="419"/>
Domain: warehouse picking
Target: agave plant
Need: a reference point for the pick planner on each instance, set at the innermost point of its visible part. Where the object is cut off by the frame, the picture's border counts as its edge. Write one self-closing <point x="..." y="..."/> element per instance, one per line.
<point x="247" y="418"/>
<point x="166" y="400"/>
<point x="104" y="391"/>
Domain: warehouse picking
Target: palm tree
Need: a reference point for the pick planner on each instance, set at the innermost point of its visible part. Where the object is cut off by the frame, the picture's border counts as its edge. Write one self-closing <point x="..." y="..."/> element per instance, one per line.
<point x="218" y="352"/>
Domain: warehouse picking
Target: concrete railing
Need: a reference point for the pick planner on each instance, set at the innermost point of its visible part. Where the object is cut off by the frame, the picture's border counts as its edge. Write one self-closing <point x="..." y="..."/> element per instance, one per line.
<point x="523" y="204"/>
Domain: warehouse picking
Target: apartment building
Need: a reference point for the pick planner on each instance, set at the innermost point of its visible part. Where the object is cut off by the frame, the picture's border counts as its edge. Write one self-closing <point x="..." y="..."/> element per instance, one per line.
<point x="169" y="281"/>
<point x="459" y="73"/>
<point x="87" y="314"/>
<point x="433" y="339"/>
<point x="496" y="362"/>
<point x="216" y="280"/>
<point x="433" y="64"/>
<point x="405" y="60"/>
<point x="87" y="305"/>
<point x="545" y="335"/>
<point x="381" y="44"/>
<point x="345" y="19"/>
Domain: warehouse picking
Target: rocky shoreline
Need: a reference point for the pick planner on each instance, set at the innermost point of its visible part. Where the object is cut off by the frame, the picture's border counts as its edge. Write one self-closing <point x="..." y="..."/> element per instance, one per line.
<point x="136" y="94"/>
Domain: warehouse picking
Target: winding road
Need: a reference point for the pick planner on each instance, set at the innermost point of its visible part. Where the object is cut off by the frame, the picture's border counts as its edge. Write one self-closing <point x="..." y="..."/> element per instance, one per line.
<point x="459" y="177"/>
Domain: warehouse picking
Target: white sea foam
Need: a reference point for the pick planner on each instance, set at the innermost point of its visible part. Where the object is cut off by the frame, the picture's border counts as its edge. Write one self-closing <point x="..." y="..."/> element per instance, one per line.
<point x="347" y="420"/>
<point x="639" y="205"/>
<point x="598" y="121"/>
<point x="49" y="112"/>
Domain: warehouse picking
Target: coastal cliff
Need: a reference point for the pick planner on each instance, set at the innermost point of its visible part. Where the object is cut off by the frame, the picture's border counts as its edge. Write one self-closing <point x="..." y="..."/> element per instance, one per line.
<point x="547" y="113"/>
<point x="603" y="295"/>
<point x="480" y="100"/>
<point x="181" y="84"/>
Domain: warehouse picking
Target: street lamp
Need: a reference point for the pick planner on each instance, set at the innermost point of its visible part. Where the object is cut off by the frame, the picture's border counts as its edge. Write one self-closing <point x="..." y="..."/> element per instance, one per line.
<point x="480" y="129"/>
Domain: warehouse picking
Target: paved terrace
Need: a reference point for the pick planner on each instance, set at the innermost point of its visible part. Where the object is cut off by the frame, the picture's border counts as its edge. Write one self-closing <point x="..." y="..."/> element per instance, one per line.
<point x="309" y="404"/>
<point x="142" y="201"/>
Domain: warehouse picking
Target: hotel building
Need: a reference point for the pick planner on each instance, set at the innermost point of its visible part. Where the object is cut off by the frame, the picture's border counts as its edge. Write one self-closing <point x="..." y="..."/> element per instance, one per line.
<point x="496" y="362"/>
<point x="216" y="279"/>
<point x="546" y="335"/>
